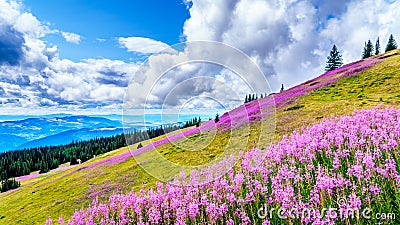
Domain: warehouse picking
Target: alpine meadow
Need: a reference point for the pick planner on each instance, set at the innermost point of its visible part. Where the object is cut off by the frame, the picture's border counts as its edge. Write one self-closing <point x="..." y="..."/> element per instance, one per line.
<point x="265" y="112"/>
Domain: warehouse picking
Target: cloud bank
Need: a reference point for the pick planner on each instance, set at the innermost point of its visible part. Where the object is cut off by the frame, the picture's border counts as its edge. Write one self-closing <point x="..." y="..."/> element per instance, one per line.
<point x="288" y="39"/>
<point x="291" y="39"/>
<point x="32" y="76"/>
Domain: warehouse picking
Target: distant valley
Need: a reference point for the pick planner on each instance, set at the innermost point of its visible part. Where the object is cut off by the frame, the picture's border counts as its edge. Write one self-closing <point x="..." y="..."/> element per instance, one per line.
<point x="42" y="131"/>
<point x="18" y="132"/>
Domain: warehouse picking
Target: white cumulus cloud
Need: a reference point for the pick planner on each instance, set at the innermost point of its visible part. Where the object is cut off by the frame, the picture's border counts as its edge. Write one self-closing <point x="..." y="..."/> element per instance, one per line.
<point x="33" y="76"/>
<point x="142" y="45"/>
<point x="290" y="39"/>
<point x="71" y="37"/>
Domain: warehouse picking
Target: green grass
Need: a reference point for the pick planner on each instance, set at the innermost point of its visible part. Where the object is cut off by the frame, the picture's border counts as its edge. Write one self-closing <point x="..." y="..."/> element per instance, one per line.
<point x="57" y="195"/>
<point x="377" y="85"/>
<point x="60" y="193"/>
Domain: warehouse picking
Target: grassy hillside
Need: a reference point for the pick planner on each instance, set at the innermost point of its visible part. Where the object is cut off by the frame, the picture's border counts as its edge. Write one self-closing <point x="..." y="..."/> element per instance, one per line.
<point x="60" y="193"/>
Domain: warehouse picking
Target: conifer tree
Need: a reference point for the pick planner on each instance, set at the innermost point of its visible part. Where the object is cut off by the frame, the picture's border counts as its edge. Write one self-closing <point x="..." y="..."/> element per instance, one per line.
<point x="364" y="50"/>
<point x="9" y="184"/>
<point x="377" y="47"/>
<point x="198" y="122"/>
<point x="368" y="50"/>
<point x="216" y="118"/>
<point x="391" y="45"/>
<point x="334" y="59"/>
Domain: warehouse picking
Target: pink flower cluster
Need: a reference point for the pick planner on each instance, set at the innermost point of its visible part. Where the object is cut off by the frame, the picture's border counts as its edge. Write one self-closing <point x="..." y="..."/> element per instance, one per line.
<point x="352" y="69"/>
<point x="352" y="157"/>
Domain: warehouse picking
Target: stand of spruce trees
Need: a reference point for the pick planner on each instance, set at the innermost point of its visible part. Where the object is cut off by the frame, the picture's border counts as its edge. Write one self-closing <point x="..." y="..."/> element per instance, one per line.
<point x="23" y="162"/>
<point x="9" y="184"/>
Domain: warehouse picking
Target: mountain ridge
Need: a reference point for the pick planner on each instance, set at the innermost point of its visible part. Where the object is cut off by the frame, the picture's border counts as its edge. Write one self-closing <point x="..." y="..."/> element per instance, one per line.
<point x="46" y="130"/>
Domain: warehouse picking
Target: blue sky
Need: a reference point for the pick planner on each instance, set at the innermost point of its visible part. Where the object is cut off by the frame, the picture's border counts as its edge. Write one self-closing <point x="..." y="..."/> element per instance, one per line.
<point x="100" y="23"/>
<point x="80" y="56"/>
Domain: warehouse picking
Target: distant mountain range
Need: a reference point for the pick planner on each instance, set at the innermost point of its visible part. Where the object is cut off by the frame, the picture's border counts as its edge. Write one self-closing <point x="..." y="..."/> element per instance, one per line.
<point x="42" y="131"/>
<point x="72" y="135"/>
<point x="24" y="131"/>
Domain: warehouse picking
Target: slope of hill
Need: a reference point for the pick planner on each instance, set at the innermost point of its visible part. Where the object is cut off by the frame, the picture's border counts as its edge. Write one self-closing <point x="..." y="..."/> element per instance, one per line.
<point x="341" y="164"/>
<point x="358" y="85"/>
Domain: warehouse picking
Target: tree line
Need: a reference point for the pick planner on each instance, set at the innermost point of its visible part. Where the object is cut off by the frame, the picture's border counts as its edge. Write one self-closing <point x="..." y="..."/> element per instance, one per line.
<point x="23" y="162"/>
<point x="43" y="159"/>
<point x="193" y="122"/>
<point x="252" y="97"/>
<point x="369" y="49"/>
<point x="335" y="60"/>
<point x="9" y="184"/>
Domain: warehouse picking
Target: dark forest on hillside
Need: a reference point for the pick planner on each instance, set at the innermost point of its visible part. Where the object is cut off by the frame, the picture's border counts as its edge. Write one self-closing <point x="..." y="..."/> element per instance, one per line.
<point x="43" y="159"/>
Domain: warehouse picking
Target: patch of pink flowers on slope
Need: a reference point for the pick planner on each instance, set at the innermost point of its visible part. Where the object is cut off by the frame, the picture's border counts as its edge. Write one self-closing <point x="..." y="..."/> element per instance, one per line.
<point x="27" y="177"/>
<point x="125" y="156"/>
<point x="352" y="69"/>
<point x="37" y="174"/>
<point x="351" y="157"/>
<point x="255" y="110"/>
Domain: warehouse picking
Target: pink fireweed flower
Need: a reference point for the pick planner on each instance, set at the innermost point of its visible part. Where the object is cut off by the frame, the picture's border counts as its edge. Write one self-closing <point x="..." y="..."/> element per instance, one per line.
<point x="61" y="221"/>
<point x="49" y="221"/>
<point x="368" y="160"/>
<point x="230" y="222"/>
<point x="356" y="170"/>
<point x="374" y="190"/>
<point x="193" y="210"/>
<point x="390" y="165"/>
<point x="305" y="169"/>
<point x="336" y="163"/>
<point x="239" y="179"/>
